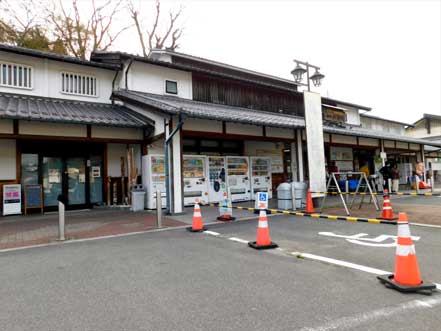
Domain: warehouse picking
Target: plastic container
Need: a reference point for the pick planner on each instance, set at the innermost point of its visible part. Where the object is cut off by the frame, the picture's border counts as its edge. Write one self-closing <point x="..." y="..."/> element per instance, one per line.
<point x="284" y="196"/>
<point x="300" y="194"/>
<point x="138" y="196"/>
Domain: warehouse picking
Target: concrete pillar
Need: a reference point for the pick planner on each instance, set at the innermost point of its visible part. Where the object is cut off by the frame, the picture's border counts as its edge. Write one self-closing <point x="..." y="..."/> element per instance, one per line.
<point x="300" y="155"/>
<point x="176" y="196"/>
<point x="294" y="165"/>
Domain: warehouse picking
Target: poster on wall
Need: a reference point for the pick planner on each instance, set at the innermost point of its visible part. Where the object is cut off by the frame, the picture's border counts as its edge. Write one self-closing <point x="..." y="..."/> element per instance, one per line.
<point x="54" y="176"/>
<point x="11" y="199"/>
<point x="341" y="153"/>
<point x="96" y="172"/>
<point x="276" y="165"/>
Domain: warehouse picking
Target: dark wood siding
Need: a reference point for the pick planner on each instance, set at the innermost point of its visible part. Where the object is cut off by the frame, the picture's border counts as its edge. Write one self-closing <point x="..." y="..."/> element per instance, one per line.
<point x="235" y="93"/>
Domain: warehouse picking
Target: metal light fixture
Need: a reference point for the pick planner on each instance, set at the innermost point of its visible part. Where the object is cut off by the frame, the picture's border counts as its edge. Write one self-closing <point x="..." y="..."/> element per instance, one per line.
<point x="298" y="73"/>
<point x="303" y="67"/>
<point x="317" y="78"/>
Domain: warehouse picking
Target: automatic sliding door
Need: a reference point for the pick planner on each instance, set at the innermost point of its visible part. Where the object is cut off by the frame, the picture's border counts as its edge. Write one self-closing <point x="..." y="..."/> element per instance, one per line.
<point x="76" y="178"/>
<point x="52" y="180"/>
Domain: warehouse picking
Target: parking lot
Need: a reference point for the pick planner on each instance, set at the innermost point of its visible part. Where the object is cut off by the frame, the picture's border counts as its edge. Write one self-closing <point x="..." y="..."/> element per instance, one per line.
<point x="213" y="281"/>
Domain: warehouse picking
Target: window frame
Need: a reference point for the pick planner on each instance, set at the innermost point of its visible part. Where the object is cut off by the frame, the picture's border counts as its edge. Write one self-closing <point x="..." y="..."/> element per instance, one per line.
<point x="74" y="79"/>
<point x="16" y="78"/>
<point x="171" y="81"/>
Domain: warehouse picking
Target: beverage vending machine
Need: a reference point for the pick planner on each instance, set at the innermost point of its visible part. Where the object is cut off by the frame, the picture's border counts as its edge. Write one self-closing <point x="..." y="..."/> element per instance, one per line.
<point x="238" y="177"/>
<point x="153" y="179"/>
<point x="195" y="184"/>
<point x="216" y="175"/>
<point x="261" y="176"/>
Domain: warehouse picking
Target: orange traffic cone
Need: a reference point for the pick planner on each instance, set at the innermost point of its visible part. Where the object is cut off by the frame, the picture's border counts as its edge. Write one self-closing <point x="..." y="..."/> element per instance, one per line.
<point x="309" y="203"/>
<point x="225" y="211"/>
<point x="388" y="213"/>
<point x="263" y="237"/>
<point x="197" y="225"/>
<point x="407" y="275"/>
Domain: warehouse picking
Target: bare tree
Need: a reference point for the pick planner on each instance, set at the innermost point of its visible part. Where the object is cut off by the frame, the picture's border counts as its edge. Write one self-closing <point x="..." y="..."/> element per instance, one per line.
<point x="151" y="38"/>
<point x="82" y="33"/>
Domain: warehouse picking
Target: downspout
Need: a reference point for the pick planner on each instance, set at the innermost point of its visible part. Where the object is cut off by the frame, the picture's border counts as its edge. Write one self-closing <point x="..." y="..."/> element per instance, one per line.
<point x="113" y="84"/>
<point x="167" y="161"/>
<point x="127" y="73"/>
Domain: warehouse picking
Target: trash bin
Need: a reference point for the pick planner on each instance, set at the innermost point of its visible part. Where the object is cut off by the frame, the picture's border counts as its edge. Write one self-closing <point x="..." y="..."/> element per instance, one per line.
<point x="284" y="196"/>
<point x="138" y="196"/>
<point x="300" y="189"/>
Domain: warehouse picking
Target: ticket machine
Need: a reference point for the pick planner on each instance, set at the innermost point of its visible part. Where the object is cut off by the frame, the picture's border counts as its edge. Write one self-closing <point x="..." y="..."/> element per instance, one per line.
<point x="217" y="178"/>
<point x="194" y="177"/>
<point x="238" y="177"/>
<point x="153" y="179"/>
<point x="261" y="176"/>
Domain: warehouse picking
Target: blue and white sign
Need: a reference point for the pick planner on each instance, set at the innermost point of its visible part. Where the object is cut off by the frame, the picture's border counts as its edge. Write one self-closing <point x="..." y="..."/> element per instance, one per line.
<point x="262" y="200"/>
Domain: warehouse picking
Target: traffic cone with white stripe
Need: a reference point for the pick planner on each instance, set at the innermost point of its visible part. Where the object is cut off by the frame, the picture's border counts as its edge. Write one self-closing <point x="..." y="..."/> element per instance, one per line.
<point x="388" y="213"/>
<point x="407" y="276"/>
<point x="197" y="225"/>
<point x="263" y="240"/>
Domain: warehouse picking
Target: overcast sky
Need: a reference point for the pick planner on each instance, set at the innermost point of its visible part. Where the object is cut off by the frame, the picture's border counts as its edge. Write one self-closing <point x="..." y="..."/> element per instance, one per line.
<point x="381" y="54"/>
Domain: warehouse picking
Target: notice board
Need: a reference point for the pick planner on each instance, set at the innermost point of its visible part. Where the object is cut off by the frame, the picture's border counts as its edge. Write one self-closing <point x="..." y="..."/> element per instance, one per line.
<point x="33" y="197"/>
<point x="11" y="199"/>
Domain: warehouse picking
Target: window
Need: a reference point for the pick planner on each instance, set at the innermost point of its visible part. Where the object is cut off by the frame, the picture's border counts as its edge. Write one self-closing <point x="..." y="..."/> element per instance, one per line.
<point x="15" y="75"/>
<point x="171" y="87"/>
<point x="78" y="84"/>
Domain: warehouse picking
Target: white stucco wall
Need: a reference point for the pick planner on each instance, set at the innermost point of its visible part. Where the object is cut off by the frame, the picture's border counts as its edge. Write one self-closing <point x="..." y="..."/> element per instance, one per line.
<point x="244" y="129"/>
<point x="382" y="125"/>
<point x="116" y="133"/>
<point x="46" y="78"/>
<point x="149" y="78"/>
<point x="352" y="115"/>
<point x="280" y="133"/>
<point x="6" y="126"/>
<point x="203" y="125"/>
<point x="52" y="129"/>
<point x="7" y="159"/>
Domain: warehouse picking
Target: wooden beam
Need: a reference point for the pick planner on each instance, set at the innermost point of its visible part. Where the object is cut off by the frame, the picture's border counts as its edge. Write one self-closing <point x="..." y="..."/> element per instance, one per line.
<point x="230" y="136"/>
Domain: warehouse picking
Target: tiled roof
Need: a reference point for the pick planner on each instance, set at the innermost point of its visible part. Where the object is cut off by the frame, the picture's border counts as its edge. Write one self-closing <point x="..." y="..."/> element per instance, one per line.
<point x="14" y="106"/>
<point x="54" y="56"/>
<point x="174" y="105"/>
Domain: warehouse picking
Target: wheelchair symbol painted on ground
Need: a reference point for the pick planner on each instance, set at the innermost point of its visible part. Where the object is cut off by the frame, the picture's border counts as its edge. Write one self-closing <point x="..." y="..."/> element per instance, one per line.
<point x="383" y="240"/>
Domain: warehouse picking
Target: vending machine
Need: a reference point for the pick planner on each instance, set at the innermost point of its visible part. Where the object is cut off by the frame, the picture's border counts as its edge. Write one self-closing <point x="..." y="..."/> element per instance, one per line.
<point x="238" y="177"/>
<point x="195" y="183"/>
<point x="261" y="176"/>
<point x="216" y="175"/>
<point x="153" y="179"/>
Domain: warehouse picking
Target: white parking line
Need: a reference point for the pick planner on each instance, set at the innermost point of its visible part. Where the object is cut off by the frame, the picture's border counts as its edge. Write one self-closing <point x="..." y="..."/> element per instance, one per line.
<point x="212" y="233"/>
<point x="238" y="240"/>
<point x="351" y="322"/>
<point x="346" y="264"/>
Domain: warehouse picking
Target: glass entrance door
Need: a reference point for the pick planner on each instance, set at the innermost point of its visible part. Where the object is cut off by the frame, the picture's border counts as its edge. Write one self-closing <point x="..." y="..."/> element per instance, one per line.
<point x="52" y="173"/>
<point x="76" y="180"/>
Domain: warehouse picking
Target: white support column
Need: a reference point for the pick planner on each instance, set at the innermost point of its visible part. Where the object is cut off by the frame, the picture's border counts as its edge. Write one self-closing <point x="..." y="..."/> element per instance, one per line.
<point x="294" y="165"/>
<point x="176" y="174"/>
<point x="383" y="161"/>
<point x="300" y="155"/>
<point x="423" y="159"/>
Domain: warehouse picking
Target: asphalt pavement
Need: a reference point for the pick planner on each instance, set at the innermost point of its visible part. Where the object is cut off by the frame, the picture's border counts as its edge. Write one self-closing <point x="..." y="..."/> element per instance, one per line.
<point x="176" y="280"/>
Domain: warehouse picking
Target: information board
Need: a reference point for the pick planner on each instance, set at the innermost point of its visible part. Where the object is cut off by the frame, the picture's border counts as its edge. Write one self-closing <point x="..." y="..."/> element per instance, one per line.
<point x="11" y="199"/>
<point x="33" y="197"/>
<point x="262" y="200"/>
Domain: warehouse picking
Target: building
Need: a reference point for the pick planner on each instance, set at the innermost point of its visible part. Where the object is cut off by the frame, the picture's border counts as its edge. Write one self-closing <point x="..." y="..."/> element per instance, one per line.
<point x="67" y="124"/>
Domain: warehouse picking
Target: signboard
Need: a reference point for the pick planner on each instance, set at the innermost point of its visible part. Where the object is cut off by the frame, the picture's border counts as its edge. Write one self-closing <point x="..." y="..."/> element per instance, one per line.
<point x="33" y="197"/>
<point x="262" y="200"/>
<point x="314" y="139"/>
<point x="334" y="115"/>
<point x="11" y="199"/>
